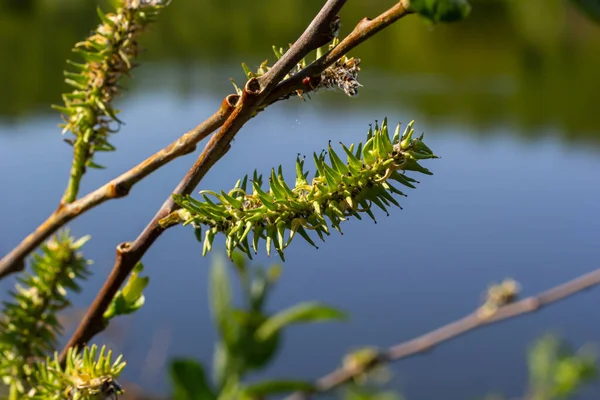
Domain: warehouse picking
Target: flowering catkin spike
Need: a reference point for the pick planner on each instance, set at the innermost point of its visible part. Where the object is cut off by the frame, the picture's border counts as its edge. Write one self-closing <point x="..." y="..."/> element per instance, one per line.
<point x="108" y="54"/>
<point x="338" y="190"/>
<point x="29" y="325"/>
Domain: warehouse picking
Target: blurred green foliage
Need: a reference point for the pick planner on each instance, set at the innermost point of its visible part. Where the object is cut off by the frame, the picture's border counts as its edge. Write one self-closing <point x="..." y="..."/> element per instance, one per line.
<point x="529" y="64"/>
<point x="556" y="371"/>
<point x="249" y="338"/>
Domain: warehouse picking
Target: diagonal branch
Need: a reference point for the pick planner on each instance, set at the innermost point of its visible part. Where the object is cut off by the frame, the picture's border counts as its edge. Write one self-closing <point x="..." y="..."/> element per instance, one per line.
<point x="453" y="330"/>
<point x="318" y="33"/>
<point x="254" y="94"/>
<point x="117" y="188"/>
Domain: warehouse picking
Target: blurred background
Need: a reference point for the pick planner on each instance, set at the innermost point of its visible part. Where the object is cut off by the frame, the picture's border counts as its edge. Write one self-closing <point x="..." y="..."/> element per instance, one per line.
<point x="508" y="98"/>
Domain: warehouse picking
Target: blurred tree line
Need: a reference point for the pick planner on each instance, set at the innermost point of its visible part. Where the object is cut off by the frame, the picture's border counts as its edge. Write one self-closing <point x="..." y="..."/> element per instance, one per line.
<point x="532" y="64"/>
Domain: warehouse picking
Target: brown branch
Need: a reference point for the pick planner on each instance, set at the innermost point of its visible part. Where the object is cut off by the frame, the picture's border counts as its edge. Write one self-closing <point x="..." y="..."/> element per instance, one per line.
<point x="318" y="33"/>
<point x="254" y="94"/>
<point x="117" y="188"/>
<point x="453" y="330"/>
<point x="365" y="29"/>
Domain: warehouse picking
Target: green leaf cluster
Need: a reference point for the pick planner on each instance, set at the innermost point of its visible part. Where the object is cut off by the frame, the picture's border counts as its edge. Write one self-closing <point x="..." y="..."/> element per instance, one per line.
<point x="29" y="325"/>
<point x="339" y="190"/>
<point x="249" y="337"/>
<point x="108" y="54"/>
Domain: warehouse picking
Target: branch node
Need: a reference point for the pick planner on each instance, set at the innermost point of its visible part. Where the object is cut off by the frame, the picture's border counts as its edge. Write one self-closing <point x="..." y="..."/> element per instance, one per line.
<point x="230" y="102"/>
<point x="123" y="248"/>
<point x="363" y="23"/>
<point x="117" y="190"/>
<point x="252" y="87"/>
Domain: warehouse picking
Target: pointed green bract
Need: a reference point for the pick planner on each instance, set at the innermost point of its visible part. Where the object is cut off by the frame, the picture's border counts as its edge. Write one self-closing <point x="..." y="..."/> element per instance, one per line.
<point x="131" y="297"/>
<point x="337" y="191"/>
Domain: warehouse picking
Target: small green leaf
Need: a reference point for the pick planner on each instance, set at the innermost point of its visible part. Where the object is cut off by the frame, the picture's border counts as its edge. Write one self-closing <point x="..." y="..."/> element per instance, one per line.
<point x="300" y="175"/>
<point x="265" y="198"/>
<point x="130" y="298"/>
<point x="286" y="188"/>
<point x="276" y="188"/>
<point x="396" y="137"/>
<point x="332" y="177"/>
<point x="367" y="152"/>
<point x="413" y="165"/>
<point x="247" y="70"/>
<point x="304" y="234"/>
<point x="336" y="162"/>
<point x="305" y="312"/>
<point x="136" y="284"/>
<point x="189" y="381"/>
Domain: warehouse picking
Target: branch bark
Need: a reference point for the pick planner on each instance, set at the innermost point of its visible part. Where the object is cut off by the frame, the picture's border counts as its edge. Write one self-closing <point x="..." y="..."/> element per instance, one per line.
<point x="453" y="330"/>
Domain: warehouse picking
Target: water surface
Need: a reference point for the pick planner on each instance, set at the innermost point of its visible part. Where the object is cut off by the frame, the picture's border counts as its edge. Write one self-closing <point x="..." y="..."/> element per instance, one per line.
<point x="514" y="195"/>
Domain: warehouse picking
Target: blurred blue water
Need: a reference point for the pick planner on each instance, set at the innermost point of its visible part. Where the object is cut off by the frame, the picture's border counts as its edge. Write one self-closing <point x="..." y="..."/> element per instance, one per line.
<point x="496" y="207"/>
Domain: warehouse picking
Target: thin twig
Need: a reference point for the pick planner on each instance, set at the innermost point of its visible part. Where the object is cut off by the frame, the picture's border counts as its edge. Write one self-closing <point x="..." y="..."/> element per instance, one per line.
<point x="254" y="94"/>
<point x="453" y="330"/>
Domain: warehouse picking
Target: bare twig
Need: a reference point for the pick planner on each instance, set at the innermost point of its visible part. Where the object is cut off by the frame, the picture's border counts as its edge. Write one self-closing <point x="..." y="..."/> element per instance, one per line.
<point x="453" y="330"/>
<point x="254" y="94"/>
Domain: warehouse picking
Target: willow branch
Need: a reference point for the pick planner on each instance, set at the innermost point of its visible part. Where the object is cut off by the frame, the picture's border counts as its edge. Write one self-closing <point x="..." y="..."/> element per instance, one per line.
<point x="117" y="188"/>
<point x="453" y="330"/>
<point x="254" y="94"/>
